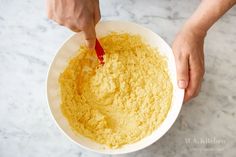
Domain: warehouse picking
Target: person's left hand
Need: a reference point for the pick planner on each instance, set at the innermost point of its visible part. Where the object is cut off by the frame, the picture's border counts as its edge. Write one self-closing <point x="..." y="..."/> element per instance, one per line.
<point x="189" y="58"/>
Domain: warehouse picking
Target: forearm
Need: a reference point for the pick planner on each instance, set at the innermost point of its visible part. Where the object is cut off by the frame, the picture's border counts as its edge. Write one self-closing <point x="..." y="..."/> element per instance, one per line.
<point x="208" y="12"/>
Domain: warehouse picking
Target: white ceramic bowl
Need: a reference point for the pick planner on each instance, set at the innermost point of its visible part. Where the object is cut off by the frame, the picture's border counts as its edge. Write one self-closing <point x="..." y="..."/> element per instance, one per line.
<point x="69" y="49"/>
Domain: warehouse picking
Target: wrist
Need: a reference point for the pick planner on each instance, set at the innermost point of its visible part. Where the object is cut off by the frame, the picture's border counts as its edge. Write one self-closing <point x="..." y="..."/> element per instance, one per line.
<point x="195" y="28"/>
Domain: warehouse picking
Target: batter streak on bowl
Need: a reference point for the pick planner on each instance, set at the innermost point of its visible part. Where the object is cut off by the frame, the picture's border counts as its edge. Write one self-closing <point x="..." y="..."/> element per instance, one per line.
<point x="122" y="101"/>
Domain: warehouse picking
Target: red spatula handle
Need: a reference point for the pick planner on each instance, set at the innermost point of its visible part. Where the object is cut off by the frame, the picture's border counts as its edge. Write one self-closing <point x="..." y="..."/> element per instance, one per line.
<point x="99" y="52"/>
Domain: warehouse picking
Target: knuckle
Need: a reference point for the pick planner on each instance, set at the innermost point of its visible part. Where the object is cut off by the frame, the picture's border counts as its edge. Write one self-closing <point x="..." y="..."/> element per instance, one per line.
<point x="185" y="49"/>
<point x="195" y="94"/>
<point x="200" y="71"/>
<point x="179" y="56"/>
<point x="60" y="21"/>
<point x="71" y="27"/>
<point x="192" y="94"/>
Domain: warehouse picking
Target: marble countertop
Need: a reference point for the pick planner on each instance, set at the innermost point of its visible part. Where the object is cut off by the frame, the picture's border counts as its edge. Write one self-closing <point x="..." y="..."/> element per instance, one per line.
<point x="205" y="127"/>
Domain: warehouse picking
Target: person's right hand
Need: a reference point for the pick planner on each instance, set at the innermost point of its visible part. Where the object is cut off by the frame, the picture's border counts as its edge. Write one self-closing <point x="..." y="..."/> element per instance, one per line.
<point x="189" y="57"/>
<point x="78" y="15"/>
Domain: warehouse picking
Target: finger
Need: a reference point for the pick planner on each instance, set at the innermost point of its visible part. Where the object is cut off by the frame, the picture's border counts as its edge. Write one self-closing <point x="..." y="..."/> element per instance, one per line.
<point x="90" y="36"/>
<point x="194" y="84"/>
<point x="182" y="68"/>
<point x="59" y="21"/>
<point x="49" y="9"/>
<point x="197" y="71"/>
<point x="50" y="15"/>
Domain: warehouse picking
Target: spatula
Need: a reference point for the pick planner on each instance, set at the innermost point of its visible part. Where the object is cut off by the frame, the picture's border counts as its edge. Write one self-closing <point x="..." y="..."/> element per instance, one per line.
<point x="99" y="51"/>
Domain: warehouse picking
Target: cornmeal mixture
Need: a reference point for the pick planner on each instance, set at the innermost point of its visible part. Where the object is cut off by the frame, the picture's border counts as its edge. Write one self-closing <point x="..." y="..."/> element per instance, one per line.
<point x="123" y="100"/>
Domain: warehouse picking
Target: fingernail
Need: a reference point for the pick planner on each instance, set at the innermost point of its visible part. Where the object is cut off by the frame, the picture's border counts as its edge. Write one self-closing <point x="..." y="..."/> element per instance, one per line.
<point x="182" y="84"/>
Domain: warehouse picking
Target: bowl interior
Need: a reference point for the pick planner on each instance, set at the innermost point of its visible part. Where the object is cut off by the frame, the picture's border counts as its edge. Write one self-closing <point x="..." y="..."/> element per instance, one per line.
<point x="69" y="49"/>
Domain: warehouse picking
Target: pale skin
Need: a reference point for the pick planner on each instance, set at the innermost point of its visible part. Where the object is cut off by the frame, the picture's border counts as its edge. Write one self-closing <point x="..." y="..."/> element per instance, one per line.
<point x="83" y="15"/>
<point x="77" y="15"/>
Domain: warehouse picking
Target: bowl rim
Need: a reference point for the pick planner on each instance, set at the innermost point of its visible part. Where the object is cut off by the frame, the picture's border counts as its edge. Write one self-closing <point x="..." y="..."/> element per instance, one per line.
<point x="181" y="92"/>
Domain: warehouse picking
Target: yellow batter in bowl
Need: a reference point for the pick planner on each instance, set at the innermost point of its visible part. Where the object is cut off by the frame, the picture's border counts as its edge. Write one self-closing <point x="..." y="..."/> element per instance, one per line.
<point x="123" y="100"/>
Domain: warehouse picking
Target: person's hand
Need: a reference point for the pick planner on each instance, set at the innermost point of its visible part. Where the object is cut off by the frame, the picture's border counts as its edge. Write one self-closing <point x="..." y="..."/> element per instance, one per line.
<point x="189" y="58"/>
<point x="78" y="15"/>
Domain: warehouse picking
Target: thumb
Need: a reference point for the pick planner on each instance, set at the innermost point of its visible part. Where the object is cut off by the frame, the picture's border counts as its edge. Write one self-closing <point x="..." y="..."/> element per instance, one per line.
<point x="182" y="68"/>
